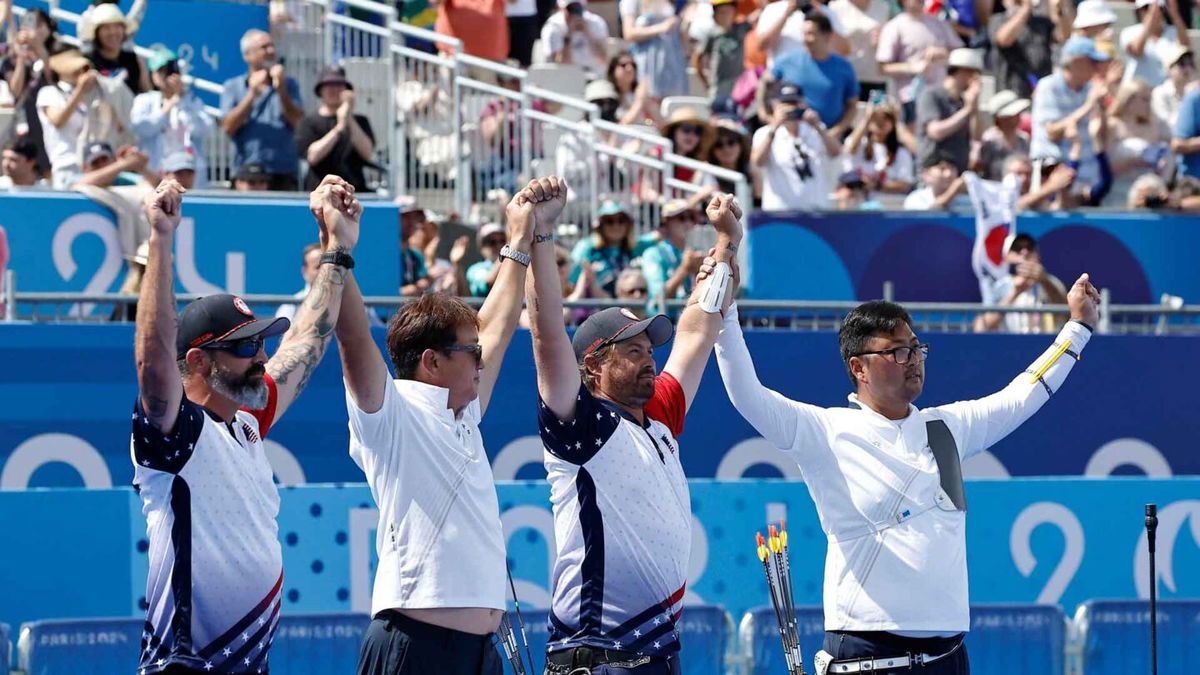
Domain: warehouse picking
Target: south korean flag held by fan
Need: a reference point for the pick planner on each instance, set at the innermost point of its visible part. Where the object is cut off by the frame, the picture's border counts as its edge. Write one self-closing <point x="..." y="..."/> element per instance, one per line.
<point x="995" y="226"/>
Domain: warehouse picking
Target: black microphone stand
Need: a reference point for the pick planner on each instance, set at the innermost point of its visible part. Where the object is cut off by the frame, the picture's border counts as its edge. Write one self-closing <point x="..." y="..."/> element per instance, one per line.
<point x="1151" y="526"/>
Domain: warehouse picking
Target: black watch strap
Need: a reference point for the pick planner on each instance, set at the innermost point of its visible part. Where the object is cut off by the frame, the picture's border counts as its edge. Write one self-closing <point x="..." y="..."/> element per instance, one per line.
<point x="339" y="258"/>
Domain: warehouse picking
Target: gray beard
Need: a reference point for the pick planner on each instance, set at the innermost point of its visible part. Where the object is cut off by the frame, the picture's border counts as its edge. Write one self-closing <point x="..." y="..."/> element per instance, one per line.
<point x="238" y="389"/>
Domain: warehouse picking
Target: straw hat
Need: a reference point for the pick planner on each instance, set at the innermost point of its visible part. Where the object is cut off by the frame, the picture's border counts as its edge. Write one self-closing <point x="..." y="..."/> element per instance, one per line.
<point x="98" y="15"/>
<point x="68" y="62"/>
<point x="681" y="116"/>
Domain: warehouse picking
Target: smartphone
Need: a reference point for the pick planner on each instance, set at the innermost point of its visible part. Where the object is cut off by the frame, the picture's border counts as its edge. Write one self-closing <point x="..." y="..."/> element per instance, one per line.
<point x="28" y="21"/>
<point x="1012" y="270"/>
<point x="797" y="113"/>
<point x="878" y="96"/>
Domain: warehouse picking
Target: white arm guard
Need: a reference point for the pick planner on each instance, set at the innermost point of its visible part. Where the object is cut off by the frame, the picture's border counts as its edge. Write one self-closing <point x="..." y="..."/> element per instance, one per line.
<point x="713" y="295"/>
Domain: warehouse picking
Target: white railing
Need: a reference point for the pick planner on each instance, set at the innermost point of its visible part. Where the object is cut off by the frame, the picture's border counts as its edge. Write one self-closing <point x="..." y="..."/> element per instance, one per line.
<point x="425" y="109"/>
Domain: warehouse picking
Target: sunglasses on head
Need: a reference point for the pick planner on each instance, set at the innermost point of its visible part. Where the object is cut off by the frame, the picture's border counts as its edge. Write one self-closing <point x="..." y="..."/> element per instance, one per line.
<point x="243" y="349"/>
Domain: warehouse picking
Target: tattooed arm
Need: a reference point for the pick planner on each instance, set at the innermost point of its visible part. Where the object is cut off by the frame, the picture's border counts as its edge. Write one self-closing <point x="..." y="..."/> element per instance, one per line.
<point x="159" y="384"/>
<point x="305" y="342"/>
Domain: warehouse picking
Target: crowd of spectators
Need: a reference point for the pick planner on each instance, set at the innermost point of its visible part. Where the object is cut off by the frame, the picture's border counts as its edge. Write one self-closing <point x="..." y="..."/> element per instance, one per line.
<point x="909" y="94"/>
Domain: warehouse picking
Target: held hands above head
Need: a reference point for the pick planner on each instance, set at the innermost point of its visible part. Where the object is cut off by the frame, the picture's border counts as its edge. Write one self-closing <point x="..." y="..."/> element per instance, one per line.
<point x="1084" y="301"/>
<point x="725" y="214"/>
<point x="337" y="213"/>
<point x="164" y="206"/>
<point x="536" y="209"/>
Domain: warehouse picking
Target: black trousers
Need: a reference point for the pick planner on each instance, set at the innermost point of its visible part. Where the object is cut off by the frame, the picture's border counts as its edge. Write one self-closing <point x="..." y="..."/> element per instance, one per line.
<point x="523" y="31"/>
<point x="398" y="645"/>
<point x="845" y="645"/>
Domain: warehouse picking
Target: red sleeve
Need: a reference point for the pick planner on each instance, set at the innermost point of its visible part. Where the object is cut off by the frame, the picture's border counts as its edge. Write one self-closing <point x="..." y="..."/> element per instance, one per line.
<point x="266" y="416"/>
<point x="668" y="405"/>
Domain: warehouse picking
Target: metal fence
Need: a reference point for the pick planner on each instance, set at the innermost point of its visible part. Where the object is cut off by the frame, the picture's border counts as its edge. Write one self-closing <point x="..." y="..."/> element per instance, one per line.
<point x="759" y="314"/>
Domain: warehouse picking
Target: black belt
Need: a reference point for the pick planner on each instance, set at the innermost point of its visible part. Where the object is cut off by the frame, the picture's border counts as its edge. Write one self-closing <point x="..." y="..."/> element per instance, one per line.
<point x="586" y="657"/>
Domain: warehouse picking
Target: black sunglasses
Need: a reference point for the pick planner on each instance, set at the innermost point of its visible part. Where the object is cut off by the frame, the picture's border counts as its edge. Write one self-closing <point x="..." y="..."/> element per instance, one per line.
<point x="691" y="129"/>
<point x="473" y="350"/>
<point x="901" y="355"/>
<point x="243" y="349"/>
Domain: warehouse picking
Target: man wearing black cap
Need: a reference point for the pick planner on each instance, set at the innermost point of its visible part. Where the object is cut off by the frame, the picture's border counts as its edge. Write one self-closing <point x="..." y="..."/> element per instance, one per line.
<point x="622" y="511"/>
<point x="252" y="177"/>
<point x="335" y="141"/>
<point x="792" y="151"/>
<point x="208" y="396"/>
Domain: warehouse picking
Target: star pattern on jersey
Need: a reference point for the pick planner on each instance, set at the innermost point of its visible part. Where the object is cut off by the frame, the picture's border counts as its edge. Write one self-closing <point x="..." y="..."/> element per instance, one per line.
<point x="637" y="633"/>
<point x="657" y="644"/>
<point x="208" y="665"/>
<point x="616" y="644"/>
<point x="226" y="652"/>
<point x="261" y="621"/>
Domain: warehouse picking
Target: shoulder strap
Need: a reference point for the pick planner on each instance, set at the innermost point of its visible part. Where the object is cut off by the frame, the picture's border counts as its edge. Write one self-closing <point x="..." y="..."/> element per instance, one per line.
<point x="945" y="451"/>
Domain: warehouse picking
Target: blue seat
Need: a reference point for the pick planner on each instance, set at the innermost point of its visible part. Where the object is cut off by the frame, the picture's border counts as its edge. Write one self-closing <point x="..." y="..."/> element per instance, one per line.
<point x="318" y="643"/>
<point x="704" y="630"/>
<point x="762" y="646"/>
<point x="80" y="646"/>
<point x="1115" y="636"/>
<point x="1017" y="638"/>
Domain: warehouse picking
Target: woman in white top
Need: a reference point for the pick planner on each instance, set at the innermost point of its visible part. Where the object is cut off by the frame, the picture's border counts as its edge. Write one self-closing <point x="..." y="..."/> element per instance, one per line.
<point x="1138" y="141"/>
<point x="171" y="118"/>
<point x="62" y="113"/>
<point x="882" y="151"/>
<point x="1145" y="42"/>
<point x="656" y="32"/>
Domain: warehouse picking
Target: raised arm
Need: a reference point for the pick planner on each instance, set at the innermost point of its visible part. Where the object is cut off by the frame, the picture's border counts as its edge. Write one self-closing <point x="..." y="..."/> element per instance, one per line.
<point x="557" y="371"/>
<point x="304" y="343"/>
<point x="981" y="423"/>
<point x="501" y="311"/>
<point x="159" y="385"/>
<point x="697" y="329"/>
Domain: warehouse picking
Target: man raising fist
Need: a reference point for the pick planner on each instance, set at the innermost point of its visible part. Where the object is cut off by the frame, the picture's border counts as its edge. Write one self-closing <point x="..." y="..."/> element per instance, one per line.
<point x="622" y="512"/>
<point x="887" y="482"/>
<point x="208" y="396"/>
<point x="439" y="587"/>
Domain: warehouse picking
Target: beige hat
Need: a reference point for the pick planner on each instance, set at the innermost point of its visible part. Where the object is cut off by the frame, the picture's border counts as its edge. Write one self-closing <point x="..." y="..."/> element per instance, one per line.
<point x="685" y="115"/>
<point x="966" y="58"/>
<point x="674" y="207"/>
<point x="98" y="15"/>
<point x="1172" y="52"/>
<point x="68" y="62"/>
<point x="1007" y="104"/>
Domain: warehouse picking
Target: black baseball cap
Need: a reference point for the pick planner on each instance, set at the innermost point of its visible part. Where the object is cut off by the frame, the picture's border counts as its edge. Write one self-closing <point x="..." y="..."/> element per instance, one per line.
<point x="253" y="171"/>
<point x="789" y="93"/>
<point x="222" y="318"/>
<point x="617" y="324"/>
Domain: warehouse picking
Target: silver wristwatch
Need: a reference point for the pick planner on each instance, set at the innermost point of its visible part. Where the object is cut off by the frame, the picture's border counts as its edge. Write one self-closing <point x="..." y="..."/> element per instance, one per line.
<point x="510" y="252"/>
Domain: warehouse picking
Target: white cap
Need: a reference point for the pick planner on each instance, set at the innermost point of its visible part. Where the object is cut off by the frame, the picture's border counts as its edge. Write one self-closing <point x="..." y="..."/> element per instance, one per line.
<point x="1091" y="13"/>
<point x="1007" y="104"/>
<point x="1143" y="3"/>
<point x="600" y="89"/>
<point x="486" y="230"/>
<point x="1172" y="52"/>
<point x="966" y="58"/>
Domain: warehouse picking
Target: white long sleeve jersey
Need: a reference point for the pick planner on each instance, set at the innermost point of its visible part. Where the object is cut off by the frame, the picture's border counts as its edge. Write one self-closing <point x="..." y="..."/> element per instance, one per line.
<point x="896" y="559"/>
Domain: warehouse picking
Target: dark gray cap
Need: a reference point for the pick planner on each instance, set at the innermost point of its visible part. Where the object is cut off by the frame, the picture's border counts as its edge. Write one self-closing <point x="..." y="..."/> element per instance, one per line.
<point x="616" y="324"/>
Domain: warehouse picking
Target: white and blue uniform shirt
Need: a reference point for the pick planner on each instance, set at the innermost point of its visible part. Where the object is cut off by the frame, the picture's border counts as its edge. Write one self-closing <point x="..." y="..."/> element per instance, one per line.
<point x="622" y="522"/>
<point x="213" y="590"/>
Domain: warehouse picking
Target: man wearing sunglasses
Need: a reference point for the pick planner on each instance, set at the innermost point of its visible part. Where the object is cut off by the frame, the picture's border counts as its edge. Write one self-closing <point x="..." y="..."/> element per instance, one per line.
<point x="439" y="589"/>
<point x="610" y="424"/>
<point x="208" y="396"/>
<point x="887" y="483"/>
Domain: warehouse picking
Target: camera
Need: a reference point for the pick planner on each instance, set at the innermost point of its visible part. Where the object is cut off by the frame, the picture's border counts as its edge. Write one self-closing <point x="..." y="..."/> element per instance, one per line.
<point x="797" y="112"/>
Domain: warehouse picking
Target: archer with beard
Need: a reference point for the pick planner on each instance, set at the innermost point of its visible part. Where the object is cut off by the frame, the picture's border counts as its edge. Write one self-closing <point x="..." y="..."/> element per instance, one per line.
<point x="208" y="396"/>
<point x="622" y="510"/>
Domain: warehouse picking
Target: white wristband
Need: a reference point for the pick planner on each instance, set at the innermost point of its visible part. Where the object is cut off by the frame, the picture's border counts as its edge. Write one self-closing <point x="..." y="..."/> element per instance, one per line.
<point x="713" y="295"/>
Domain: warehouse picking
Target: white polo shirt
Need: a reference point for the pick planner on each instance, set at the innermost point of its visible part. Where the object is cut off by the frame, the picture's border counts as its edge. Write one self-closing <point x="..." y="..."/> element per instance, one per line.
<point x="897" y="558"/>
<point x="439" y="539"/>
